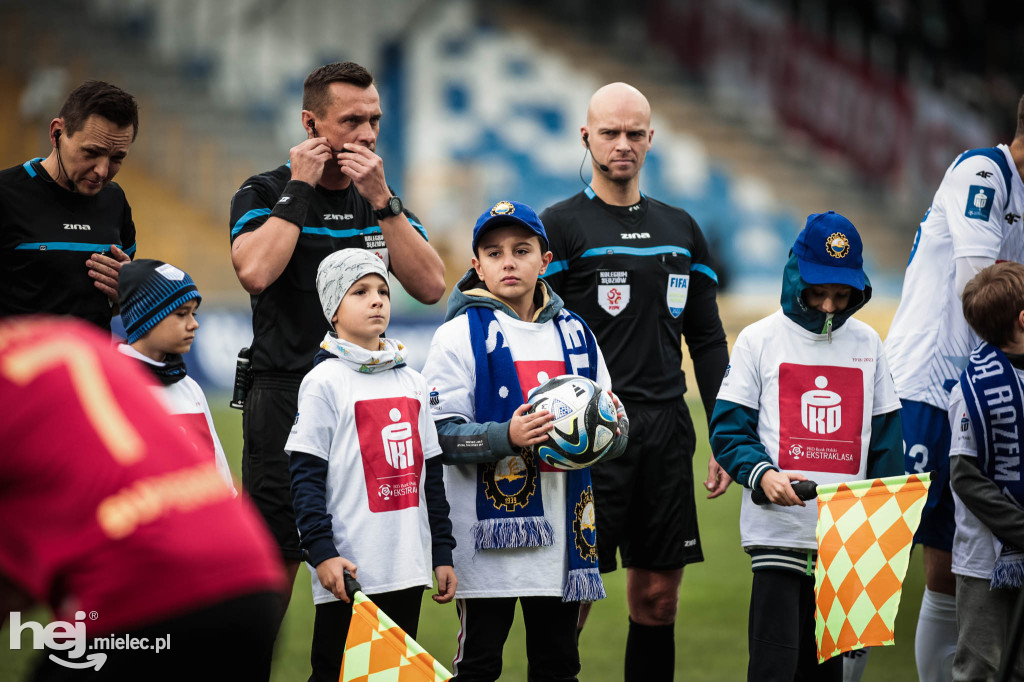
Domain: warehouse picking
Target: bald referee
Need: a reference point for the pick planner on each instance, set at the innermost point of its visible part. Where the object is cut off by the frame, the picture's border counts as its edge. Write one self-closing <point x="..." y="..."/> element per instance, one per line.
<point x="638" y="271"/>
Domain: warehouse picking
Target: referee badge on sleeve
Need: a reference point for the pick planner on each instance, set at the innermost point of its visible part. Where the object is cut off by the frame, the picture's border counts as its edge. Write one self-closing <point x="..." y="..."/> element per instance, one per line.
<point x="675" y="294"/>
<point x="613" y="291"/>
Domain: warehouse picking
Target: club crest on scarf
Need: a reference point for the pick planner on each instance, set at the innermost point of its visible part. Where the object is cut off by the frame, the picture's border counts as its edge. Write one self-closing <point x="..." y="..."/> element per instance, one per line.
<point x="511" y="482"/>
<point x="509" y="504"/>
<point x="584" y="526"/>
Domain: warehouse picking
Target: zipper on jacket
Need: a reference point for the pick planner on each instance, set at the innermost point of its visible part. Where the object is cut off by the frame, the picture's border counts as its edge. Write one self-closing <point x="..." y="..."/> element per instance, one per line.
<point x="827" y="329"/>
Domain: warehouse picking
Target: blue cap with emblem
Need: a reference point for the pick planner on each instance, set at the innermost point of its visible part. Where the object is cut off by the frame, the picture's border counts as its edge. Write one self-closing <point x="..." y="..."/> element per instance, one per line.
<point x="510" y="213"/>
<point x="829" y="251"/>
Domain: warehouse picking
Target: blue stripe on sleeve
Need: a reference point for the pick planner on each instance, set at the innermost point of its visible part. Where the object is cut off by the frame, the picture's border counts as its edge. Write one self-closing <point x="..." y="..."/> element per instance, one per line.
<point x="705" y="270"/>
<point x="130" y="250"/>
<point x="249" y="215"/>
<point x="419" y="228"/>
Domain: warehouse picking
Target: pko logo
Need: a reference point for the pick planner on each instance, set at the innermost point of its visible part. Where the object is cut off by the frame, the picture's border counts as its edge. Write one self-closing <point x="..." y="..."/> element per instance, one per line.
<point x="60" y="636"/>
<point x="820" y="410"/>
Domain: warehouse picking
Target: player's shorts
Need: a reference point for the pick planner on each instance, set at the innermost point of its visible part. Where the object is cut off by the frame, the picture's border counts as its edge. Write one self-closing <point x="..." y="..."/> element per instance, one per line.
<point x="267" y="419"/>
<point x="644" y="500"/>
<point x="926" y="438"/>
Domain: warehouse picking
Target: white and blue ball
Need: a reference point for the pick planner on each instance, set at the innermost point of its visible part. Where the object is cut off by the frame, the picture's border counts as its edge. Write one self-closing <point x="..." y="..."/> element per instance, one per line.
<point x="584" y="421"/>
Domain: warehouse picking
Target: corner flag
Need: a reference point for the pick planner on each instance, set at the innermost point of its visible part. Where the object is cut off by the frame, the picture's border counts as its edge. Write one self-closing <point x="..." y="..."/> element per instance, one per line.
<point x="377" y="650"/>
<point x="865" y="532"/>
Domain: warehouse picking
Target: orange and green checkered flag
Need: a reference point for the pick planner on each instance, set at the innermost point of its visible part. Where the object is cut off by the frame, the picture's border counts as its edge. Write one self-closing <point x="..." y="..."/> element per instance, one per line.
<point x="865" y="532"/>
<point x="377" y="650"/>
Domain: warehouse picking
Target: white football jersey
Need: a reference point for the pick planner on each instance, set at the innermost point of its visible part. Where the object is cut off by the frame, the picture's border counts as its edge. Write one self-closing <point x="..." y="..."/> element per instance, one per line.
<point x="376" y="434"/>
<point x="976" y="212"/>
<point x="814" y="401"/>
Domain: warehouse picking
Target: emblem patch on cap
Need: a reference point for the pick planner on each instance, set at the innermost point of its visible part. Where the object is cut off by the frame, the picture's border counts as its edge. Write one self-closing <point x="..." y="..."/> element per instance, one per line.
<point x="503" y="208"/>
<point x="837" y="245"/>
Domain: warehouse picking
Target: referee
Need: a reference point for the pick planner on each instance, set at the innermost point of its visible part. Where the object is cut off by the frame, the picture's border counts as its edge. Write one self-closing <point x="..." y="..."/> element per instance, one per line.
<point x="331" y="195"/>
<point x="65" y="228"/>
<point x="637" y="271"/>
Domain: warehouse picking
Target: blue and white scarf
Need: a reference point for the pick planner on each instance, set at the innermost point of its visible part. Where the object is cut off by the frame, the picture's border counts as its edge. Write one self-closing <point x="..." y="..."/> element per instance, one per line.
<point x="510" y="511"/>
<point x="995" y="402"/>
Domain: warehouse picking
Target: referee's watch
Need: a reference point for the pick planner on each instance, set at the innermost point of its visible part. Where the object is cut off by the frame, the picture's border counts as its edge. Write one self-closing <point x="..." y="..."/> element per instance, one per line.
<point x="391" y="209"/>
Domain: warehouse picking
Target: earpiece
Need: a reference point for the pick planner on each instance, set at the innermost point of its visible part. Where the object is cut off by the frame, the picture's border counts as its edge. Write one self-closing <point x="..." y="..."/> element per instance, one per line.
<point x="60" y="162"/>
<point x="312" y="128"/>
<point x="586" y="143"/>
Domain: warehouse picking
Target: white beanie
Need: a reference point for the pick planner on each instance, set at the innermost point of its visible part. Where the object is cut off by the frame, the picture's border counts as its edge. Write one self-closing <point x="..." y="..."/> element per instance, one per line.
<point x="339" y="271"/>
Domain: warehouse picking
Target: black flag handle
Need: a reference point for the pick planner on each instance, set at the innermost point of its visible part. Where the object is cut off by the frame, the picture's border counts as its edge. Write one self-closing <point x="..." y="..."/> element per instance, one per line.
<point x="351" y="585"/>
<point x="805" y="490"/>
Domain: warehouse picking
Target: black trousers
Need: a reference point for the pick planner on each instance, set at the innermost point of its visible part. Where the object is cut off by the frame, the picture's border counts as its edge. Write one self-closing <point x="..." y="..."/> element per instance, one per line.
<point x="781" y="631"/>
<point x="551" y="649"/>
<point x="330" y="628"/>
<point x="230" y="640"/>
<point x="267" y="420"/>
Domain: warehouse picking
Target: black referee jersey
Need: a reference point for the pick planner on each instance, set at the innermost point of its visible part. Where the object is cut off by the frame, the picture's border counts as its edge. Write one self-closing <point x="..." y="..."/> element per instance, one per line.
<point x="47" y="233"/>
<point x="288" y="322"/>
<point x="639" y="276"/>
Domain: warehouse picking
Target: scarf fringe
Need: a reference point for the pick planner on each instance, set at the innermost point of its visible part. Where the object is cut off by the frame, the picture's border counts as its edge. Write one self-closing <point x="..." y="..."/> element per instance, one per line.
<point x="1008" y="571"/>
<point x="583" y="584"/>
<point x="508" y="533"/>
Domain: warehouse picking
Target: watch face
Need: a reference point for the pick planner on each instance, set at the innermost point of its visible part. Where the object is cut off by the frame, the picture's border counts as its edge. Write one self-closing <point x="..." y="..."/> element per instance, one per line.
<point x="395" y="205"/>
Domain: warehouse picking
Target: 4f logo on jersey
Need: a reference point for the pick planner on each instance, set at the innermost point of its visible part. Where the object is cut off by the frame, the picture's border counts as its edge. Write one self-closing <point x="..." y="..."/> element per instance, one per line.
<point x="979" y="202"/>
<point x="985" y="175"/>
<point x="613" y="291"/>
<point x="675" y="295"/>
<point x="1011" y="218"/>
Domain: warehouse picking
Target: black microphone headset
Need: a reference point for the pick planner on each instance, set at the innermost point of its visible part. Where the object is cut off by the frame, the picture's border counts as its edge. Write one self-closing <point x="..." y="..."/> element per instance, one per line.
<point x="586" y="141"/>
<point x="56" y="143"/>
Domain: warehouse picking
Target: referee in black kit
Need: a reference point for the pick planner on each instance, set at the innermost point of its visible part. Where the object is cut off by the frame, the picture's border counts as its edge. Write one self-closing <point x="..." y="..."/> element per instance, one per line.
<point x="637" y="271"/>
<point x="65" y="228"/>
<point x="332" y="196"/>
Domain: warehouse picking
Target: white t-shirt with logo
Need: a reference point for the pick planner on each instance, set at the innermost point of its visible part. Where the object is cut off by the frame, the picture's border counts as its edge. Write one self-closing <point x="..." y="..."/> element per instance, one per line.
<point x="451" y="375"/>
<point x="814" y="401"/>
<point x="186" y="403"/>
<point x="975" y="547"/>
<point x="375" y="432"/>
<point x="929" y="340"/>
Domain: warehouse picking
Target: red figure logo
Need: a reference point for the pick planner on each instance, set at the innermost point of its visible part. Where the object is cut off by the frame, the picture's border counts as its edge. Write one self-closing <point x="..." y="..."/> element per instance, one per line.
<point x="821" y="418"/>
<point x="389" y="441"/>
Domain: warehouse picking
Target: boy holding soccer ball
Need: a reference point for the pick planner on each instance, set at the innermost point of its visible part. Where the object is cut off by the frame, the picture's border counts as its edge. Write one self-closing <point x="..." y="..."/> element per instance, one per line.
<point x="807" y="395"/>
<point x="524" y="530"/>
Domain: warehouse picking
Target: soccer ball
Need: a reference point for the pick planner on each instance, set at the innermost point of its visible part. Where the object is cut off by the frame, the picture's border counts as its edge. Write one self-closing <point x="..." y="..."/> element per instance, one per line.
<point x="584" y="421"/>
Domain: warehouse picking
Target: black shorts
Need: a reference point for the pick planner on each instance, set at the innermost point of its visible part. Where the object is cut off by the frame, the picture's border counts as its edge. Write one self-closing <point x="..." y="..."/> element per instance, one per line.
<point x="644" y="500"/>
<point x="267" y="419"/>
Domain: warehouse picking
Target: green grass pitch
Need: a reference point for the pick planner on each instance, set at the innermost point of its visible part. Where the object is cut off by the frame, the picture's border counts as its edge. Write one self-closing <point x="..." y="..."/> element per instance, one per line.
<point x="711" y="630"/>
